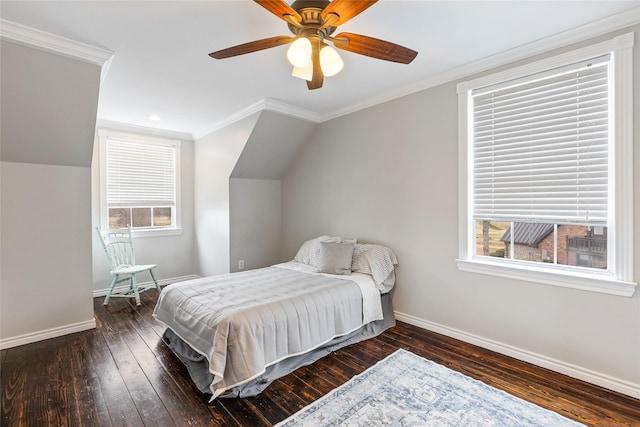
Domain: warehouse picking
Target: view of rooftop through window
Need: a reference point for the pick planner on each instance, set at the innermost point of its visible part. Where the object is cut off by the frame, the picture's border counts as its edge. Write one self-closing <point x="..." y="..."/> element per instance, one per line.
<point x="560" y="244"/>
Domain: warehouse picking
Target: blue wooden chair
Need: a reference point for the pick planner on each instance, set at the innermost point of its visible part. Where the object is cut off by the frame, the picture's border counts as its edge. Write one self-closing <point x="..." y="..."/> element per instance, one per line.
<point x="118" y="245"/>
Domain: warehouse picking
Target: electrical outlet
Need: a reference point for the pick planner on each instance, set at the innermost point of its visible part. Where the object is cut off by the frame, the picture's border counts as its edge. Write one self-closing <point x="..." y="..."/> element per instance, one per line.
<point x="241" y="264"/>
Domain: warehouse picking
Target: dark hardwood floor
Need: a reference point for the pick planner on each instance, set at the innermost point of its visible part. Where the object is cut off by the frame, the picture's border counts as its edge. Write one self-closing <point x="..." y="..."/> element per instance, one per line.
<point x="122" y="374"/>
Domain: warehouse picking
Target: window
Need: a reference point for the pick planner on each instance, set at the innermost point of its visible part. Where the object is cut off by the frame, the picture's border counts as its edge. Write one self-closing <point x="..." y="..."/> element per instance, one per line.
<point x="139" y="182"/>
<point x="546" y="180"/>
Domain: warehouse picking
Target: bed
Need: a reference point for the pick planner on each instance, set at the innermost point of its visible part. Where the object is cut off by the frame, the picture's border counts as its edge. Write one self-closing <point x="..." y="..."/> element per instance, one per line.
<point x="238" y="332"/>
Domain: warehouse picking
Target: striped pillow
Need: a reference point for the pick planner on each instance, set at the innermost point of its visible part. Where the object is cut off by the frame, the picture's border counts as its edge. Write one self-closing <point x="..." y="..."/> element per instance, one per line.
<point x="378" y="261"/>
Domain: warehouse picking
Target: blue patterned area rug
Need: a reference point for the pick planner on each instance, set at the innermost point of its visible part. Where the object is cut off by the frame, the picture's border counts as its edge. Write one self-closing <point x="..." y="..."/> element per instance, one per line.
<point x="407" y="390"/>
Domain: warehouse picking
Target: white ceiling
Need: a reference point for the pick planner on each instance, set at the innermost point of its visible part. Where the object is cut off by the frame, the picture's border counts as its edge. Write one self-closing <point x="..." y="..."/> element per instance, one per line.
<point x="161" y="64"/>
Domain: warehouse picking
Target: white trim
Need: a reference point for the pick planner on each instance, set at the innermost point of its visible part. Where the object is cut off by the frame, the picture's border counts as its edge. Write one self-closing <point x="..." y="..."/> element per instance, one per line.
<point x="161" y="282"/>
<point x="600" y="283"/>
<point x="465" y="233"/>
<point x="229" y="120"/>
<point x="623" y="153"/>
<point x="616" y="384"/>
<point x="53" y="43"/>
<point x="47" y="334"/>
<point x="48" y="42"/>
<point x="156" y="232"/>
<point x="291" y="110"/>
<point x="129" y="128"/>
<point x="267" y="104"/>
<point x="618" y="43"/>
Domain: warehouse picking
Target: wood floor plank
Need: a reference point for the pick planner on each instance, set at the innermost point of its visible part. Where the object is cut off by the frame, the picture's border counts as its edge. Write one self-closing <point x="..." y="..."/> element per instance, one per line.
<point x="269" y="412"/>
<point x="90" y="401"/>
<point x="3" y="357"/>
<point x="13" y="381"/>
<point x="122" y="374"/>
<point x="61" y="393"/>
<point x="36" y="392"/>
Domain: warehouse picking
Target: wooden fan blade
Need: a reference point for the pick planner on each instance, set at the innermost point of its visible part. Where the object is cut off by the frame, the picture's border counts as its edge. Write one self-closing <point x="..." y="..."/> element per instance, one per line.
<point x="282" y="10"/>
<point x="317" y="77"/>
<point x="345" y="9"/>
<point x="374" y="48"/>
<point x="253" y="46"/>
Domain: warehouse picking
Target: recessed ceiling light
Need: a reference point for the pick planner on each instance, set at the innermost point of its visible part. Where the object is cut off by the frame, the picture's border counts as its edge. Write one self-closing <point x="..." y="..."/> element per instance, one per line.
<point x="154" y="117"/>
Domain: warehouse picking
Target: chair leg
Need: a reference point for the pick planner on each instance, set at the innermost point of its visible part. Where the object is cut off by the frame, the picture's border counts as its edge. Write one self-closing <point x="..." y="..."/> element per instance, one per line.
<point x="154" y="280"/>
<point x="134" y="286"/>
<point x="110" y="291"/>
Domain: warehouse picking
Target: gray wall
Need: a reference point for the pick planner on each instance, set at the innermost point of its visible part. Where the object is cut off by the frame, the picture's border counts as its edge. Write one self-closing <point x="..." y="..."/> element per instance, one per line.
<point x="215" y="156"/>
<point x="388" y="174"/>
<point x="48" y="116"/>
<point x="255" y="222"/>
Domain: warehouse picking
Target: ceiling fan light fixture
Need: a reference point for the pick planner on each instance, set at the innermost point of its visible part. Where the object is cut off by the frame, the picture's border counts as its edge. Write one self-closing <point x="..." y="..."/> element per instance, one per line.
<point x="330" y="62"/>
<point x="299" y="53"/>
<point x="312" y="22"/>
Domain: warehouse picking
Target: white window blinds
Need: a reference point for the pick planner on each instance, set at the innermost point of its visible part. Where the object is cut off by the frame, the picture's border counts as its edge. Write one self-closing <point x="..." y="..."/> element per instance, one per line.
<point x="140" y="174"/>
<point x="540" y="146"/>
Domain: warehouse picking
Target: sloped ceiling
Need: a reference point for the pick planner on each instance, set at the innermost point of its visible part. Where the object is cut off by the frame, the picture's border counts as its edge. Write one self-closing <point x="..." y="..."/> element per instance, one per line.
<point x="48" y="105"/>
<point x="272" y="146"/>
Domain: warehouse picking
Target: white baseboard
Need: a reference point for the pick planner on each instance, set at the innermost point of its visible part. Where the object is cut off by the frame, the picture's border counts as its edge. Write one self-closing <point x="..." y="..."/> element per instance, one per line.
<point x="603" y="380"/>
<point x="47" y="334"/>
<point x="162" y="282"/>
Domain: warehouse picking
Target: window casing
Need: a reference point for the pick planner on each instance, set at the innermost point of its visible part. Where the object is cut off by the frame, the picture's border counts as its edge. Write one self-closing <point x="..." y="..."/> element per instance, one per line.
<point x="545" y="167"/>
<point x="139" y="183"/>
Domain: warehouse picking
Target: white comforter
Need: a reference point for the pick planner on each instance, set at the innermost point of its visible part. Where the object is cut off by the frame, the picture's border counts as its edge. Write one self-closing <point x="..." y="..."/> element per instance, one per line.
<point x="245" y="322"/>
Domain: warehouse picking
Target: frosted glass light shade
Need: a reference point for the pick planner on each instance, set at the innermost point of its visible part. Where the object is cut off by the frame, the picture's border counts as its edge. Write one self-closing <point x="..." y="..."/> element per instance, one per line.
<point x="299" y="53"/>
<point x="305" y="73"/>
<point x="330" y="61"/>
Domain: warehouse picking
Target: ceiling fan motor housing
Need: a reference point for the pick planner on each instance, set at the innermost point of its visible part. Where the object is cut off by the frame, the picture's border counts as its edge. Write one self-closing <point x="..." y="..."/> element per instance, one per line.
<point x="311" y="13"/>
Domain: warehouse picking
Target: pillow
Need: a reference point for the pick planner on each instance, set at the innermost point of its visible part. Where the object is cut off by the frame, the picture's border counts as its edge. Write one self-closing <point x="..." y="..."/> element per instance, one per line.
<point x="335" y="258"/>
<point x="309" y="252"/>
<point x="378" y="261"/>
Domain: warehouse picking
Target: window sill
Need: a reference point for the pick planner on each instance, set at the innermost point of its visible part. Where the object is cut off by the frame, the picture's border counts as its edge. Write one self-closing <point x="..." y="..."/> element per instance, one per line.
<point x="148" y="232"/>
<point x="602" y="283"/>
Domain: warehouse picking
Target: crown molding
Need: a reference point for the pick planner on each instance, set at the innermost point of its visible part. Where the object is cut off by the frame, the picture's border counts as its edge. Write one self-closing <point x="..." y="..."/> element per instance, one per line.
<point x="566" y="38"/>
<point x="291" y="110"/>
<point x="126" y="127"/>
<point x="266" y="104"/>
<point x="31" y="37"/>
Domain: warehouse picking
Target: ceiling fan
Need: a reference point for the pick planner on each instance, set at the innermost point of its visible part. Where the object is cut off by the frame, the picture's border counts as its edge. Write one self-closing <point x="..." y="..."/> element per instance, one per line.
<point x="312" y="23"/>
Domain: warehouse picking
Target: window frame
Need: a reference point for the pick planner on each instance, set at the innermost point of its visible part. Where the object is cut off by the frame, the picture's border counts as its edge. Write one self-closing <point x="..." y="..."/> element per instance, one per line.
<point x="620" y="279"/>
<point x="103" y="136"/>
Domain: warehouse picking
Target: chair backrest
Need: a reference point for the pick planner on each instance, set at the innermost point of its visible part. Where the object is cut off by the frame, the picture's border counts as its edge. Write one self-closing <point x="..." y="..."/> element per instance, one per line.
<point x="118" y="245"/>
